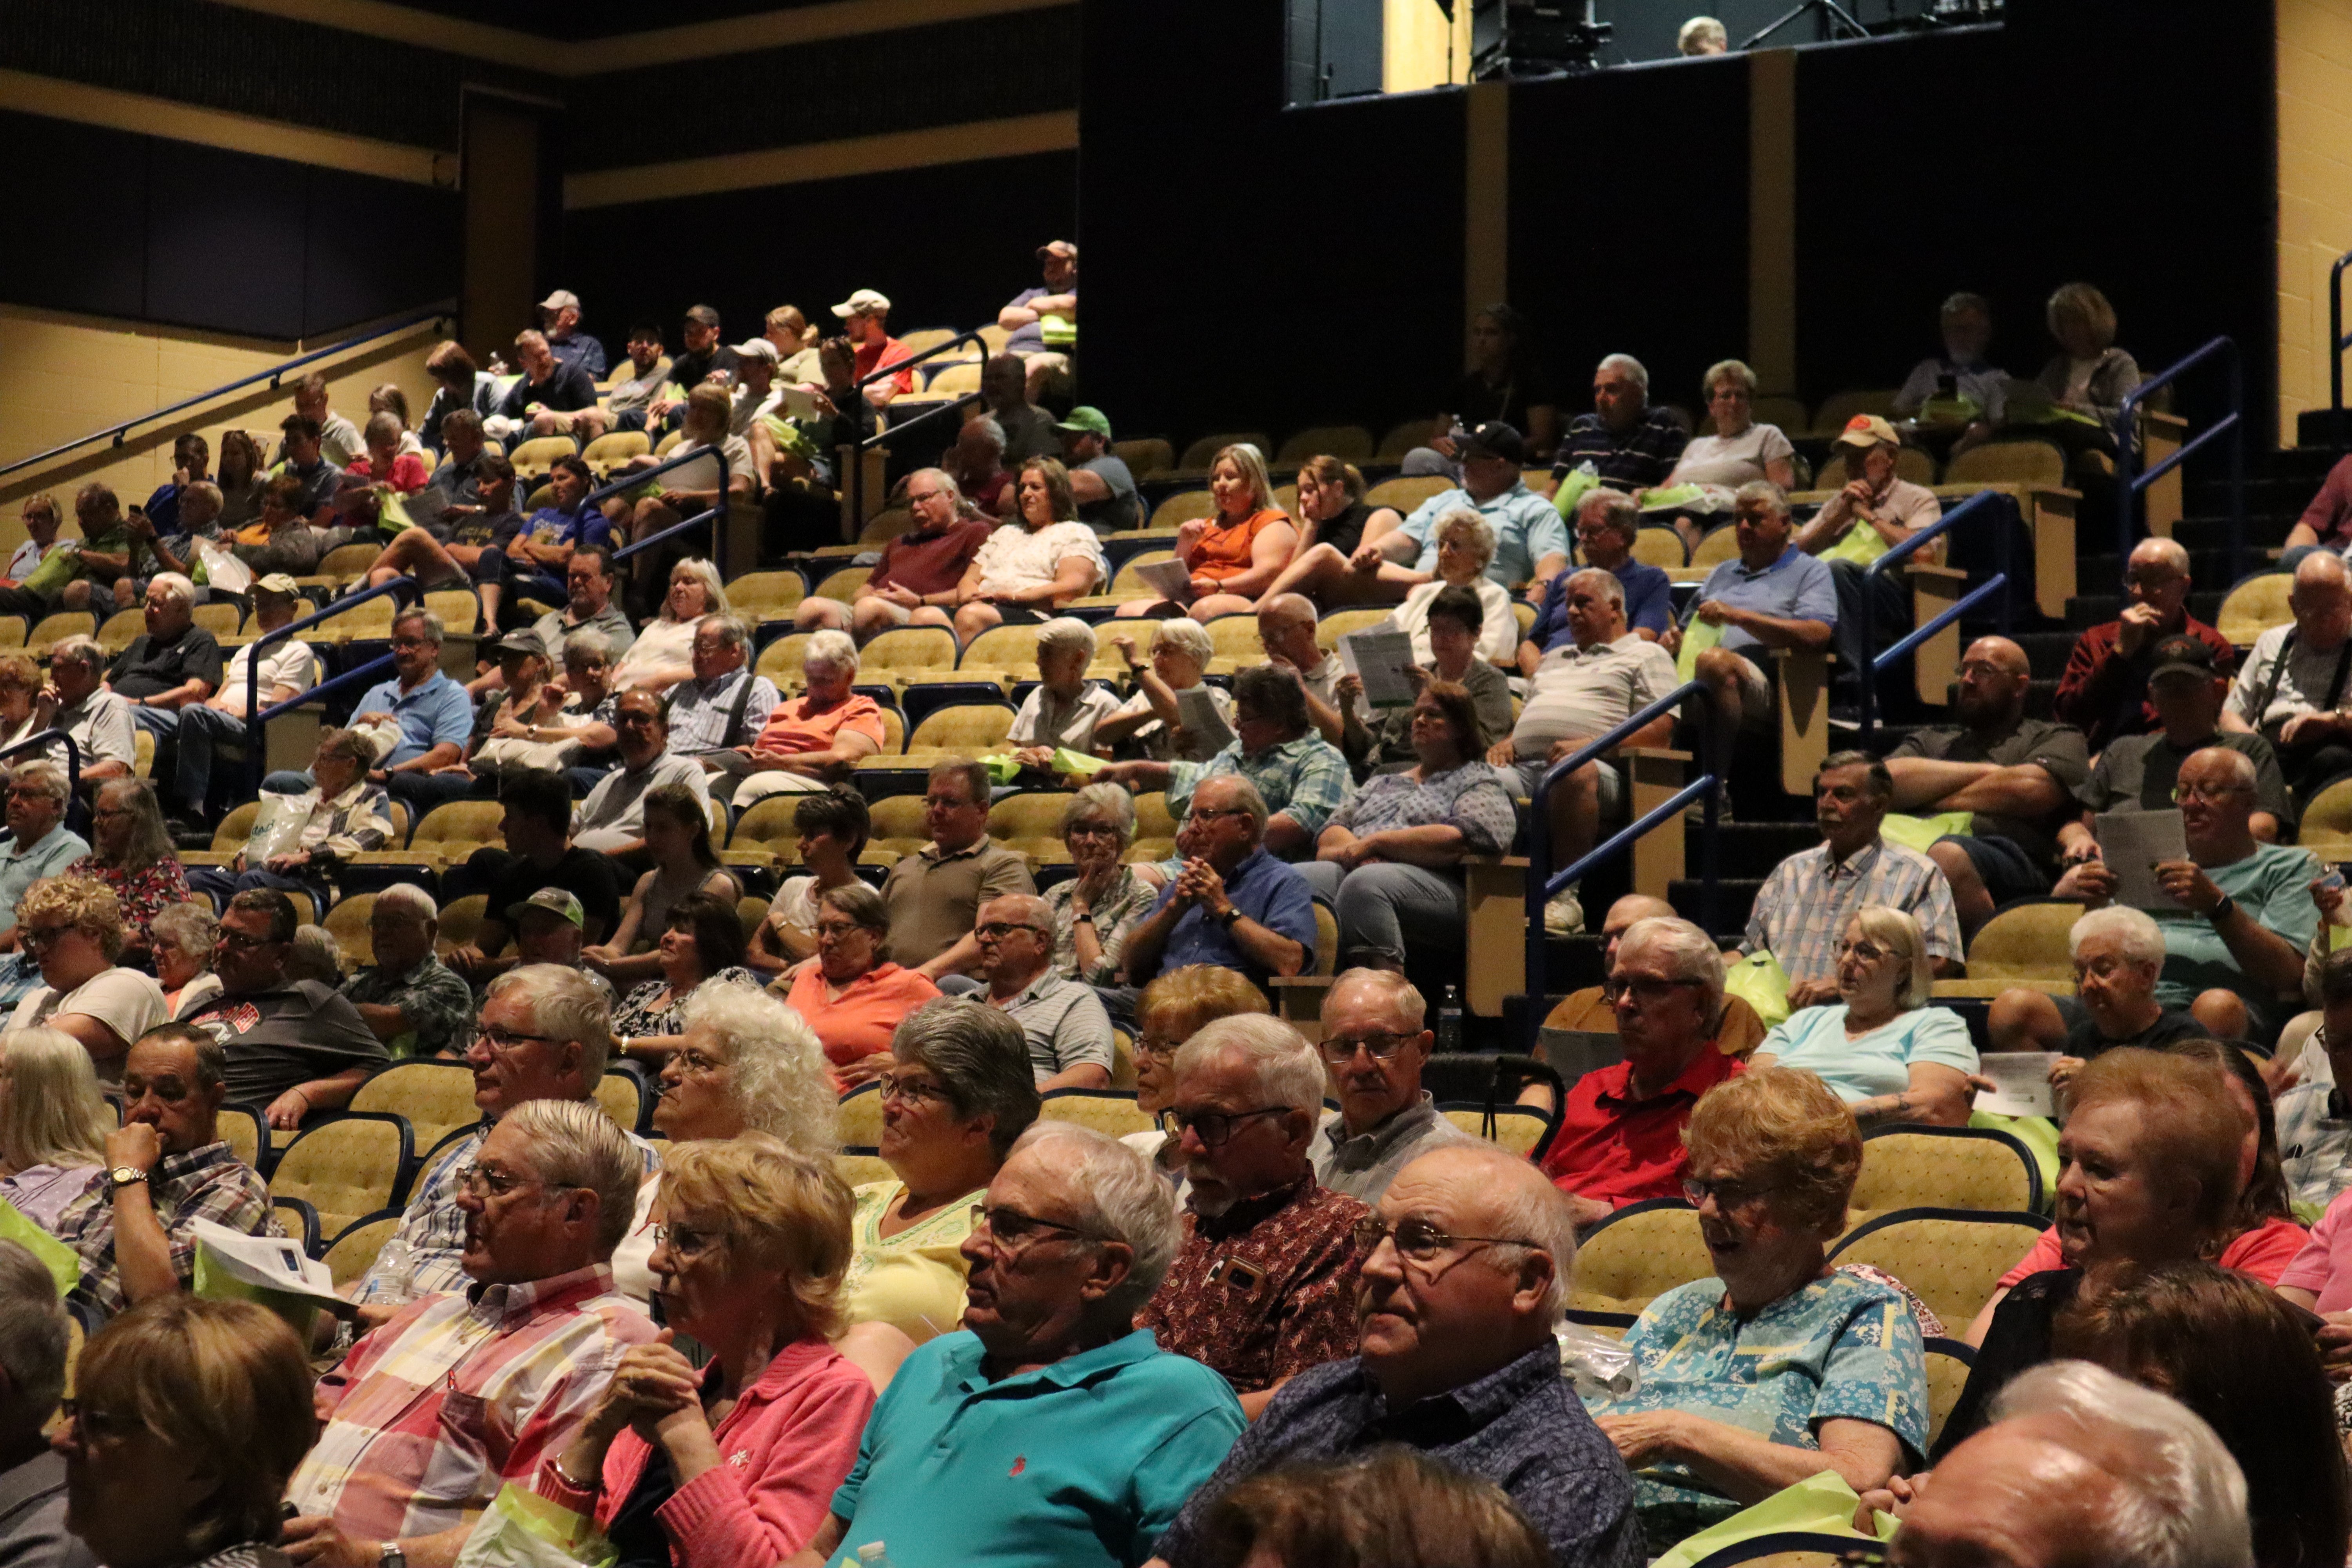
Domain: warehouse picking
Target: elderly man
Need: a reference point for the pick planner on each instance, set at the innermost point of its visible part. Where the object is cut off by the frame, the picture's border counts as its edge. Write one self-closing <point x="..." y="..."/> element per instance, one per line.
<point x="1602" y="678"/>
<point x="613" y="818"/>
<point x="1801" y="914"/>
<point x="166" y="1167"/>
<point x="1961" y="371"/>
<point x="1530" y="543"/>
<point x="544" y="1032"/>
<point x="417" y="1006"/>
<point x="559" y="318"/>
<point x="1621" y="1134"/>
<point x="1773" y="596"/>
<point x="2291" y="690"/>
<point x="1285" y="627"/>
<point x="2138" y="773"/>
<point x="1100" y="481"/>
<point x="1301" y="776"/>
<point x="1264" y="1286"/>
<point x="38" y="844"/>
<point x="2104" y="692"/>
<point x="173" y="664"/>
<point x="921" y="568"/>
<point x="1375" y="1043"/>
<point x="1606" y="524"/>
<point x="1232" y="904"/>
<point x="2118" y="955"/>
<point x="866" y="322"/>
<point x="934" y="895"/>
<point x="461" y="1393"/>
<point x="1050" y="1378"/>
<point x="1591" y="1010"/>
<point x="98" y="721"/>
<point x="1467" y="1270"/>
<point x="294" y="1045"/>
<point x="2241" y="914"/>
<point x="536" y="823"/>
<point x="550" y="391"/>
<point x="1875" y="510"/>
<point x="725" y="705"/>
<point x="1631" y="443"/>
<point x="34" y="1337"/>
<point x="1064" y="1022"/>
<point x="2314" y="1115"/>
<point x="287" y="670"/>
<point x="2079" y="1466"/>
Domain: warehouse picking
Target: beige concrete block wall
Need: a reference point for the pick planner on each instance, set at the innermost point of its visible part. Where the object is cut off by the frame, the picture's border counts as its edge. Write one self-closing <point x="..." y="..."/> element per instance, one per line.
<point x="2314" y="190"/>
<point x="63" y="376"/>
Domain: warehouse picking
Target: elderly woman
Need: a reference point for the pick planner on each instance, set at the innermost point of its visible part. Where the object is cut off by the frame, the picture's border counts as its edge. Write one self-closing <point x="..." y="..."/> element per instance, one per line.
<point x="1062" y="710"/>
<point x="962" y="1091"/>
<point x="1388" y="861"/>
<point x="1171" y="1010"/>
<point x="1716" y="1426"/>
<point x="20" y="695"/>
<point x="1234" y="555"/>
<point x="1031" y="567"/>
<point x="2148" y="1174"/>
<point x="833" y="827"/>
<point x="72" y="927"/>
<point x="181" y="939"/>
<point x="754" y="1240"/>
<point x="1740" y="449"/>
<point x="189" y="1416"/>
<point x="677" y="838"/>
<point x="1093" y="909"/>
<point x="1885" y="1052"/>
<point x="1466" y="544"/>
<point x="1150" y="724"/>
<point x="383" y="462"/>
<point x="1382" y="741"/>
<point x="663" y="654"/>
<point x="853" y="995"/>
<point x="813" y="741"/>
<point x="132" y="854"/>
<point x="54" y="1122"/>
<point x="702" y="940"/>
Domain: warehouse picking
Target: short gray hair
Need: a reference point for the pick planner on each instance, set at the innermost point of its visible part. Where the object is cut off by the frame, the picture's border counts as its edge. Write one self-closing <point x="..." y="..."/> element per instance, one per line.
<point x="1881" y="779"/>
<point x="1764" y="491"/>
<point x="1618" y="509"/>
<point x="2184" y="1503"/>
<point x="33" y="1338"/>
<point x="190" y="925"/>
<point x="1287" y="1069"/>
<point x="573" y="1144"/>
<point x="588" y="643"/>
<point x="1404" y="999"/>
<point x="80" y="648"/>
<point x="349" y="745"/>
<point x="1725" y="369"/>
<point x="1186" y="635"/>
<point x="1106" y="800"/>
<point x="835" y="651"/>
<point x="408" y="895"/>
<point x="1122" y="1199"/>
<point x="775" y="1068"/>
<point x="1611" y="589"/>
<point x="174" y="586"/>
<point x="731" y="630"/>
<point x="1689" y="951"/>
<point x="2142" y="939"/>
<point x="45" y="776"/>
<point x="1463" y="519"/>
<point x="434" y="630"/>
<point x="314" y="953"/>
<point x="1529" y="1209"/>
<point x="1629" y="366"/>
<point x="980" y="1058"/>
<point x="565" y="1006"/>
<point x="1066" y="631"/>
<point x="1245" y="795"/>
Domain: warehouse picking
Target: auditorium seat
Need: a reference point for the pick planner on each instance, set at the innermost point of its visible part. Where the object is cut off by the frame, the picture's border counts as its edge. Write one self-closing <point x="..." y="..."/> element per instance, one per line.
<point x="2254" y="606"/>
<point x="534" y="458"/>
<point x="843" y="585"/>
<point x="2021" y="462"/>
<point x="1834" y="412"/>
<point x="614" y="447"/>
<point x="1146" y="457"/>
<point x="1404" y="494"/>
<point x="1349" y="443"/>
<point x="1203" y="452"/>
<point x="1184" y="507"/>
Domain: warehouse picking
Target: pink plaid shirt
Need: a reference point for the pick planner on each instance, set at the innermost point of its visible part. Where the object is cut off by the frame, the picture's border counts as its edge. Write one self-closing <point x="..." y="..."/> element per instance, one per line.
<point x="430" y="1415"/>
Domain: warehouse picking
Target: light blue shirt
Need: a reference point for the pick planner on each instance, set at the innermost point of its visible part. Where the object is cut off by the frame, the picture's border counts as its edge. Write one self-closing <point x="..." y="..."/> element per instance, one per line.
<point x="21" y="868"/>
<point x="1796" y="587"/>
<point x="437" y="711"/>
<point x="1873" y="1064"/>
<point x="2273" y="886"/>
<point x="1082" y="1462"/>
<point x="1526" y="527"/>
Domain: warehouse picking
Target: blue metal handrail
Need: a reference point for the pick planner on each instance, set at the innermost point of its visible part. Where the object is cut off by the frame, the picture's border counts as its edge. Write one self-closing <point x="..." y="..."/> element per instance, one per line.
<point x="2232" y="424"/>
<point x="1872" y="663"/>
<point x="42" y="742"/>
<point x="650" y="540"/>
<point x="272" y="375"/>
<point x="254" y="717"/>
<point x="2338" y="340"/>
<point x="1543" y="887"/>
<point x="718" y="532"/>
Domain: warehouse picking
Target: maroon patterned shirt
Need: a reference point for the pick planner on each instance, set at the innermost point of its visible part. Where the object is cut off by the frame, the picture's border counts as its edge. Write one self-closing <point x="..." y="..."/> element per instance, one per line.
<point x="1265" y="1290"/>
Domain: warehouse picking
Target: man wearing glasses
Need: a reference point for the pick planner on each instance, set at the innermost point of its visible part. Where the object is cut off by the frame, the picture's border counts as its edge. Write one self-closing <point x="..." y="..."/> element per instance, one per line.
<point x="2106" y="691"/>
<point x="1465" y="1268"/>
<point x="612" y="817"/>
<point x="1232" y="906"/>
<point x="297" y="1046"/>
<point x="1265" y="1285"/>
<point x="1064" y="1022"/>
<point x="1375" y="1045"/>
<point x="40" y="843"/>
<point x="2186" y="691"/>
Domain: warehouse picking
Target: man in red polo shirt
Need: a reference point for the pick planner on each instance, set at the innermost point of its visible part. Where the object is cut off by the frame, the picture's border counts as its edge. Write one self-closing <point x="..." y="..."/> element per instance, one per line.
<point x="865" y="318"/>
<point x="1621" y="1136"/>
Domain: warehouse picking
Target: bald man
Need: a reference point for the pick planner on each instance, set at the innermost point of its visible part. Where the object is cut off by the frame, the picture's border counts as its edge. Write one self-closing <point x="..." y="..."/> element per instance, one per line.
<point x="2016" y="775"/>
<point x="1285" y="624"/>
<point x="2293" y="687"/>
<point x="1064" y="1021"/>
<point x="2103" y="692"/>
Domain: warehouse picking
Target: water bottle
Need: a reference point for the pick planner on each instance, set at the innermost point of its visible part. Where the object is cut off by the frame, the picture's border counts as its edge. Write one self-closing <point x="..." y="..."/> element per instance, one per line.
<point x="1449" y="1020"/>
<point x="872" y="1556"/>
<point x="395" y="1268"/>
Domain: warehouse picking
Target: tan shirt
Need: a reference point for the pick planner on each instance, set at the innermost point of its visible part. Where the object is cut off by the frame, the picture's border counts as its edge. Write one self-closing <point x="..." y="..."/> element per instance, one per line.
<point x="934" y="898"/>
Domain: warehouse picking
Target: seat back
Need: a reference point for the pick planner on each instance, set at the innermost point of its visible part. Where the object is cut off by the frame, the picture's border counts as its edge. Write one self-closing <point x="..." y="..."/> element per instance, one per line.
<point x="1521" y="1130"/>
<point x="770" y="596"/>
<point x="1910" y="464"/>
<point x="435" y="1097"/>
<point x="1977" y="1169"/>
<point x="1145" y="455"/>
<point x="461" y="918"/>
<point x="859" y="1124"/>
<point x="1637" y="1255"/>
<point x="1128" y="583"/>
<point x="769" y="823"/>
<point x="351" y="1255"/>
<point x="1204" y="452"/>
<point x="121" y="629"/>
<point x="1834" y="411"/>
<point x="1184" y="507"/>
<point x="2254" y="606"/>
<point x="885" y="526"/>
<point x="345" y="1166"/>
<point x="1406" y="492"/>
<point x="972" y="729"/>
<point x="1349" y="443"/>
<point x="246" y="1130"/>
<point x="622" y="1096"/>
<point x="346" y="561"/>
<point x="907" y="649"/>
<point x="1237" y="639"/>
<point x="1659" y="547"/>
<point x="781" y="659"/>
<point x="460" y="611"/>
<point x="615" y="447"/>
<point x="954" y="380"/>
<point x="1950" y="1361"/>
<point x="473" y="823"/>
<point x="1401" y="439"/>
<point x="2008" y="463"/>
<point x="347" y="922"/>
<point x="1950" y="1259"/>
<point x="1002" y="647"/>
<point x="1716" y="548"/>
<point x="1339" y="622"/>
<point x="896" y="823"/>
<point x="2327" y="827"/>
<point x="50" y="630"/>
<point x="2025" y="942"/>
<point x="1105" y="1111"/>
<point x="842" y="586"/>
<point x="535" y="456"/>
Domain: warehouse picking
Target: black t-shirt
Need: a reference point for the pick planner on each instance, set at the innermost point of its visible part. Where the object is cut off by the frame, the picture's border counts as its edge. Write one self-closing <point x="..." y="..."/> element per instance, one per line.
<point x="1345" y="532"/>
<point x="1475" y="402"/>
<point x="277" y="1040"/>
<point x="586" y="875"/>
<point x="567" y="387"/>
<point x="2018" y="1340"/>
<point x="148" y="667"/>
<point x="691" y="370"/>
<point x="2060" y="751"/>
<point x="2084" y="1039"/>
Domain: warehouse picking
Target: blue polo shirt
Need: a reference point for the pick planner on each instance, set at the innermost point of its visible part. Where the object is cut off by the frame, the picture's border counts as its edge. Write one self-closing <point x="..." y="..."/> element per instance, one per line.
<point x="1265" y="890"/>
<point x="1796" y="587"/>
<point x="1085" y="1461"/>
<point x="435" y="712"/>
<point x="1649" y="605"/>
<point x="1526" y="529"/>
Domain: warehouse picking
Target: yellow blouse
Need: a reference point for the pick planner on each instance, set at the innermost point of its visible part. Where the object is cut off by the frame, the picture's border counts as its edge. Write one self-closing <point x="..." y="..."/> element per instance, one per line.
<point x="913" y="1280"/>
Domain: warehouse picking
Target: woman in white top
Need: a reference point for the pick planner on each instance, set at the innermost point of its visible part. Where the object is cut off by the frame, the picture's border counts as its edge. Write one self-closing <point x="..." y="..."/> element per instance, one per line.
<point x="1466" y="546"/>
<point x="1740" y="452"/>
<point x="833" y="825"/>
<point x="52" y="1122"/>
<point x="72" y="926"/>
<point x="663" y="654"/>
<point x="1149" y="722"/>
<point x="1031" y="567"/>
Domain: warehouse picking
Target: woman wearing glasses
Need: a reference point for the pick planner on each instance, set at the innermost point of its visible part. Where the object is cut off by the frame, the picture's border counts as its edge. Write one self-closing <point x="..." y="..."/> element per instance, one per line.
<point x="960" y="1092"/>
<point x="703" y="943"/>
<point x="853" y="995"/>
<point x="1715" y="1426"/>
<point x="1093" y="909"/>
<point x="1171" y="1010"/>
<point x="1887" y="1054"/>
<point x="737" y="1462"/>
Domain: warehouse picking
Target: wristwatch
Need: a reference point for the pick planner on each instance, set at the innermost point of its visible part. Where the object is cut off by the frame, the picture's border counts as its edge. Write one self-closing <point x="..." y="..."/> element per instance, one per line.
<point x="1084" y="918"/>
<point x="2223" y="910"/>
<point x="390" y="1555"/>
<point x="123" y="1177"/>
<point x="1233" y="913"/>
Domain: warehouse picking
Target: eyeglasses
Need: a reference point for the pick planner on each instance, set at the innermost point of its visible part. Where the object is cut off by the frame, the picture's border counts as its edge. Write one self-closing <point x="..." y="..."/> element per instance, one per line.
<point x="697" y="1064"/>
<point x="1868" y="951"/>
<point x="1210" y="813"/>
<point x="997" y="931"/>
<point x="410" y="642"/>
<point x="946" y="803"/>
<point x="232" y="937"/>
<point x="481" y="1181"/>
<point x="685" y="1242"/>
<point x="1420" y="1241"/>
<point x="1215" y="1128"/>
<point x="892" y="1085"/>
<point x="839" y="931"/>
<point x="2209" y="794"/>
<point x="1012" y="1232"/>
<point x="1726" y="1193"/>
<point x="504" y="1041"/>
<point x="1090" y="830"/>
<point x="41" y="936"/>
<point x="105" y="1425"/>
<point x="1641" y="987"/>
<point x="1380" y="1047"/>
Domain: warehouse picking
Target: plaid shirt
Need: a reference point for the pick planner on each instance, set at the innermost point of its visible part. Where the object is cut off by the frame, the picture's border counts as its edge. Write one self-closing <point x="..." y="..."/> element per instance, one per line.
<point x="2314" y="1132"/>
<point x="1304" y="780"/>
<point x="1801" y="912"/>
<point x="433" y="997"/>
<point x="207" y="1182"/>
<point x="431" y="1414"/>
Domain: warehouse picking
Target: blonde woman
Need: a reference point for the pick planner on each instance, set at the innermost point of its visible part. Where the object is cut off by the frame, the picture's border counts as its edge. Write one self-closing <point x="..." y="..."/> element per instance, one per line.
<point x="52" y="1122"/>
<point x="1171" y="1010"/>
<point x="663" y="654"/>
<point x="1235" y="554"/>
<point x="1880" y="1047"/>
<point x="72" y="928"/>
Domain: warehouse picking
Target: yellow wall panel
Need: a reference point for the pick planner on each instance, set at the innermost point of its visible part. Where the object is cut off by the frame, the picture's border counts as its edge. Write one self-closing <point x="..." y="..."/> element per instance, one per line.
<point x="2314" y="190"/>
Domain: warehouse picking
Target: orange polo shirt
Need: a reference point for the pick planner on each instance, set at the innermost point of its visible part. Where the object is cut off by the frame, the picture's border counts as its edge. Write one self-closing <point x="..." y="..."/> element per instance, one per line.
<point x="861" y="1022"/>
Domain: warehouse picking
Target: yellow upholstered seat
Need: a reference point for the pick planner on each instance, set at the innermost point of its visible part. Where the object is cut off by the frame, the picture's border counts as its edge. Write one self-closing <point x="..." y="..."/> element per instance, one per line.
<point x="768" y="595"/>
<point x="859" y="1124"/>
<point x="1203" y="452"/>
<point x="2254" y="606"/>
<point x="1949" y="1258"/>
<point x="435" y="1096"/>
<point x="843" y="585"/>
<point x="861" y="1167"/>
<point x="1349" y="443"/>
<point x="2008" y="463"/>
<point x="1950" y="1361"/>
<point x="1950" y="1168"/>
<point x="622" y="1097"/>
<point x="1831" y="415"/>
<point x="781" y="659"/>
<point x="1108" y="1112"/>
<point x="535" y="456"/>
<point x="908" y="650"/>
<point x="1008" y="650"/>
<point x="245" y="1132"/>
<point x="1184" y="507"/>
<point x="897" y="825"/>
<point x="345" y="1166"/>
<point x="351" y="1255"/>
<point x="2326" y="828"/>
<point x="121" y="629"/>
<point x="1659" y="547"/>
<point x="50" y="630"/>
<point x="1145" y="455"/>
<point x="768" y="824"/>
<point x="1406" y="493"/>
<point x="1637" y="1255"/>
<point x="615" y="447"/>
<point x="347" y="922"/>
<point x="1716" y="548"/>
<point x="1517" y="1128"/>
<point x="461" y="918"/>
<point x="456" y="829"/>
<point x="1236" y="637"/>
<point x="967" y="729"/>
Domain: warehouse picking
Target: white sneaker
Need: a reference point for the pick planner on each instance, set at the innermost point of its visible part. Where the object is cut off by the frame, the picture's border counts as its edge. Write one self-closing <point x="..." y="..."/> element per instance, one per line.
<point x="1564" y="916"/>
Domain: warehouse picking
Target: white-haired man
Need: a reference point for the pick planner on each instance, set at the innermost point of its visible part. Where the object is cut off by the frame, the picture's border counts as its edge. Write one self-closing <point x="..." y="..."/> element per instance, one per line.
<point x="461" y="1393"/>
<point x="2118" y="955"/>
<point x="922" y="568"/>
<point x="1264" y="1286"/>
<point x="1375" y="1042"/>
<point x="1591" y="1011"/>
<point x="287" y="670"/>
<point x="173" y="664"/>
<point x="559" y="318"/>
<point x="99" y="721"/>
<point x="1285" y="626"/>
<point x="1062" y="1020"/>
<point x="1232" y="904"/>
<point x="33" y="1340"/>
<point x="2078" y="1467"/>
<point x="1631" y="443"/>
<point x="40" y="843"/>
<point x="1050" y="1429"/>
<point x="727" y="704"/>
<point x="1465" y="1268"/>
<point x="417" y="1006"/>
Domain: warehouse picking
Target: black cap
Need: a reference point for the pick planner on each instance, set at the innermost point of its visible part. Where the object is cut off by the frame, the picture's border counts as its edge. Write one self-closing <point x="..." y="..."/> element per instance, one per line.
<point x="2183" y="656"/>
<point x="1496" y="440"/>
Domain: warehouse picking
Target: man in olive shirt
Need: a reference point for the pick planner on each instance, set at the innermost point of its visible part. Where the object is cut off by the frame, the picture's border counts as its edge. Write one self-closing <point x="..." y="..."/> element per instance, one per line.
<point x="934" y="897"/>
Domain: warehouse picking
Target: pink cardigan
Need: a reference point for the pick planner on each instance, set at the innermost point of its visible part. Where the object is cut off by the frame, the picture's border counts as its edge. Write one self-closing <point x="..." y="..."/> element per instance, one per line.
<point x="788" y="1444"/>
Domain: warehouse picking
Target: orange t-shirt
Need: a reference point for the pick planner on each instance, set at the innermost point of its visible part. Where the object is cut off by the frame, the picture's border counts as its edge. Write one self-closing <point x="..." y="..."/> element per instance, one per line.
<point x="792" y="727"/>
<point x="868" y="1012"/>
<point x="1224" y="551"/>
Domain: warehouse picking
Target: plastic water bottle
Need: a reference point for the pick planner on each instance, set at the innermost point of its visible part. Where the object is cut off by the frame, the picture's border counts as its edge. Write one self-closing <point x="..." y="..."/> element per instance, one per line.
<point x="872" y="1556"/>
<point x="396" y="1264"/>
<point x="1449" y="1020"/>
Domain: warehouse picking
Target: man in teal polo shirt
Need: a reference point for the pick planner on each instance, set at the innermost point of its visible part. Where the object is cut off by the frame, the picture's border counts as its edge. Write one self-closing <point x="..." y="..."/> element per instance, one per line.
<point x="1049" y="1431"/>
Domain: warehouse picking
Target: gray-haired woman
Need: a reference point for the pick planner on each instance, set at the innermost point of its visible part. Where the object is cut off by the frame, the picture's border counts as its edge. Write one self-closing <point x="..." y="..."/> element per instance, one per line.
<point x="1093" y="909"/>
<point x="1063" y="709"/>
<point x="182" y="940"/>
<point x="1466" y="547"/>
<point x="132" y="854"/>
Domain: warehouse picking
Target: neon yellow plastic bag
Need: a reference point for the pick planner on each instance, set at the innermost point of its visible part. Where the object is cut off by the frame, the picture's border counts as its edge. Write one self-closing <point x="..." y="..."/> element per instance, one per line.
<point x="1918" y="832"/>
<point x="1580" y="482"/>
<point x="1761" y="981"/>
<point x="521" y="1529"/>
<point x="1821" y="1504"/>
<point x="216" y="1282"/>
<point x="1861" y="545"/>
<point x="1698" y="638"/>
<point x="63" y="1262"/>
<point x="2040" y="1136"/>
